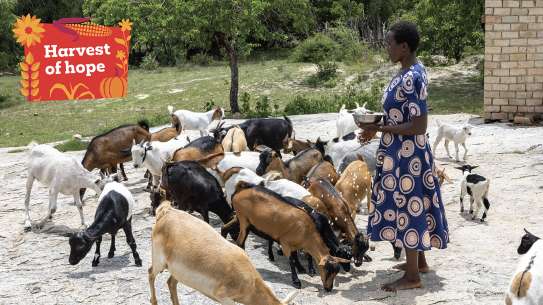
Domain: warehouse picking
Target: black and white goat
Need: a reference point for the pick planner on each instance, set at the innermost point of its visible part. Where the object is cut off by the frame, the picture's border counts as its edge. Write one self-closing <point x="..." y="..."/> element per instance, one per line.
<point x="526" y="287"/>
<point x="113" y="213"/>
<point x="477" y="187"/>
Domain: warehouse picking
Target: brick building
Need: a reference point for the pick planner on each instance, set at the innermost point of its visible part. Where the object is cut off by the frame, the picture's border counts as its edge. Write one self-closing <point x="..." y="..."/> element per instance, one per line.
<point x="513" y="59"/>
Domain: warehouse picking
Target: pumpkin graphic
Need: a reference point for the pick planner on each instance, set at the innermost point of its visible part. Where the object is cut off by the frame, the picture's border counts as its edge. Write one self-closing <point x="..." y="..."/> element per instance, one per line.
<point x="113" y="86"/>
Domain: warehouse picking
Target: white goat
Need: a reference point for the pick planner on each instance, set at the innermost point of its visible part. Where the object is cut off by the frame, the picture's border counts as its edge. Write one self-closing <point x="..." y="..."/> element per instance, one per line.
<point x="198" y="257"/>
<point x="458" y="135"/>
<point x="345" y="122"/>
<point x="477" y="187"/>
<point x="197" y="120"/>
<point x="526" y="286"/>
<point x="338" y="148"/>
<point x="62" y="173"/>
<point x="284" y="187"/>
<point x="152" y="155"/>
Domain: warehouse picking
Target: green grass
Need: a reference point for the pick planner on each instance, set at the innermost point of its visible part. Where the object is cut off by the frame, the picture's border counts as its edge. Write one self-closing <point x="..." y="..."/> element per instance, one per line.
<point x="190" y="88"/>
<point x="72" y="145"/>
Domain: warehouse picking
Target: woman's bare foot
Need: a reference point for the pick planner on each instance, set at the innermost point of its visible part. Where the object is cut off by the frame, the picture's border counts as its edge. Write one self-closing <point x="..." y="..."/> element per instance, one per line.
<point x="402" y="284"/>
<point x="403" y="267"/>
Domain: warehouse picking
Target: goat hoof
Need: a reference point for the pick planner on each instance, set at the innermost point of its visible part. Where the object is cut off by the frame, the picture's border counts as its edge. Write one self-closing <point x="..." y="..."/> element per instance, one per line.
<point x="482" y="220"/>
<point x="461" y="210"/>
<point x="297" y="284"/>
<point x="95" y="262"/>
<point x="367" y="258"/>
<point x="280" y="252"/>
<point x="110" y="254"/>
<point x="138" y="262"/>
<point x="471" y="211"/>
<point x="312" y="272"/>
<point x="271" y="258"/>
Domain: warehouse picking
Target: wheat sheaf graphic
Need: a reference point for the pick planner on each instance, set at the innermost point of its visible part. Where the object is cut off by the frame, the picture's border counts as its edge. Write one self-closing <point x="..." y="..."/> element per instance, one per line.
<point x="30" y="77"/>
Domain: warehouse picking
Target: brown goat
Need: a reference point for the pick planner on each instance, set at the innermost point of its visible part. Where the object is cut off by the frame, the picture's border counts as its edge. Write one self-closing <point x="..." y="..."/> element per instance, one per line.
<point x="442" y="176"/>
<point x="107" y="150"/>
<point x="234" y="140"/>
<point x="324" y="169"/>
<point x="199" y="149"/>
<point x="197" y="256"/>
<point x="164" y="135"/>
<point x="294" y="169"/>
<point x="296" y="146"/>
<point x="292" y="227"/>
<point x="340" y="215"/>
<point x="355" y="184"/>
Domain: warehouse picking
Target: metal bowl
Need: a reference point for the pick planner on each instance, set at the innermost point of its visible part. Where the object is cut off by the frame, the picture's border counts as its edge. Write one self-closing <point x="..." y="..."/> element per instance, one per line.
<point x="367" y="118"/>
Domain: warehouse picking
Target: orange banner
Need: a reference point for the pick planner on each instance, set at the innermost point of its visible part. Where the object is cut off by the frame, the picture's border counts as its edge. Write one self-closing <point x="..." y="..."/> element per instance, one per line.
<point x="73" y="59"/>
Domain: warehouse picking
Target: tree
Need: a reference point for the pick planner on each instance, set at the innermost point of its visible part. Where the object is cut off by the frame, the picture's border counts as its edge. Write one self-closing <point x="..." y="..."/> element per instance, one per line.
<point x="232" y="24"/>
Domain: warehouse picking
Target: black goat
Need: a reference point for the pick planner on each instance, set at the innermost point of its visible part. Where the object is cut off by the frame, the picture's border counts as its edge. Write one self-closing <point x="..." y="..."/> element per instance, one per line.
<point x="192" y="187"/>
<point x="526" y="242"/>
<point x="113" y="213"/>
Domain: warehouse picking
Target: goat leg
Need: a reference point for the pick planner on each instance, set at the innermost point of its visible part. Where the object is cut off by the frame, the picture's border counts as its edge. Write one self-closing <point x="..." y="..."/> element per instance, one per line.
<point x="122" y="172"/>
<point x="96" y="258"/>
<point x="131" y="242"/>
<point x="152" y="276"/>
<point x="112" y="247"/>
<point x="270" y="250"/>
<point x="310" y="267"/>
<point x="299" y="266"/>
<point x="172" y="285"/>
<point x="295" y="280"/>
<point x="29" y="183"/>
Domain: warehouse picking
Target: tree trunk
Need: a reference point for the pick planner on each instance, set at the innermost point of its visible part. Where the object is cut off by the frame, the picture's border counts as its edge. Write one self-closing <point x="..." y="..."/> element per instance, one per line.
<point x="234" y="80"/>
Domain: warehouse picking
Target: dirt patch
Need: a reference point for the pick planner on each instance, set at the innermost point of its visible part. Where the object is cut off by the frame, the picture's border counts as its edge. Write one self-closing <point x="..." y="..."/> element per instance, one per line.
<point x="475" y="269"/>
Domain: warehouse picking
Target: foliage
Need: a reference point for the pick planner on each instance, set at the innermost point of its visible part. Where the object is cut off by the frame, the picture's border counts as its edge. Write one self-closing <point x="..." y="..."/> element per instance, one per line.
<point x="9" y="50"/>
<point x="315" y="49"/>
<point x="326" y="75"/>
<point x="262" y="107"/>
<point x="201" y="59"/>
<point x="72" y="145"/>
<point x="209" y="105"/>
<point x="246" y="102"/>
<point x="149" y="62"/>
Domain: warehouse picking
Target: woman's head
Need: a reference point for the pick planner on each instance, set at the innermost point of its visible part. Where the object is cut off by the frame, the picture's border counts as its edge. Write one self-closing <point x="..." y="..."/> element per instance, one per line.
<point x="402" y="40"/>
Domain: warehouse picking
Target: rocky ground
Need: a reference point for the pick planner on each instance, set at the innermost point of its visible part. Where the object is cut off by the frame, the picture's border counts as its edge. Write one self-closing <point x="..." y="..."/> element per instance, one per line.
<point x="475" y="269"/>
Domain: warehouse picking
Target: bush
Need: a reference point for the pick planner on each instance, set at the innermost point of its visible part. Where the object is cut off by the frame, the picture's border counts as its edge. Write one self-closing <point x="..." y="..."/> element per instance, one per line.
<point x="245" y="102"/>
<point x="326" y="75"/>
<point x="315" y="49"/>
<point x="262" y="107"/>
<point x="209" y="105"/>
<point x="327" y="104"/>
<point x="351" y="48"/>
<point x="149" y="62"/>
<point x="201" y="59"/>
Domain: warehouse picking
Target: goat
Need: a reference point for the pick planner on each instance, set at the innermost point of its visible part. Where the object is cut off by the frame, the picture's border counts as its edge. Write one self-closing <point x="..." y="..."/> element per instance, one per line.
<point x="442" y="177"/>
<point x="368" y="152"/>
<point x="526" y="287"/>
<point x="294" y="169"/>
<point x="234" y="139"/>
<point x="345" y="122"/>
<point x="63" y="174"/>
<point x="197" y="120"/>
<point x="323" y="169"/>
<point x="107" y="150"/>
<point x="273" y="133"/>
<point x="527" y="241"/>
<point x="337" y="148"/>
<point x="197" y="256"/>
<point x="340" y="215"/>
<point x="114" y="211"/>
<point x="165" y="134"/>
<point x="194" y="188"/>
<point x="295" y="146"/>
<point x="153" y="155"/>
<point x="354" y="184"/>
<point x="458" y="135"/>
<point x="296" y="226"/>
<point x="477" y="187"/>
<point x="198" y="149"/>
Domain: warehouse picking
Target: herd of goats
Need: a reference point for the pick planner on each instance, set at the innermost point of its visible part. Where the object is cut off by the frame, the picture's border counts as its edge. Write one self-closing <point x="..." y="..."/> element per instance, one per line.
<point x="307" y="203"/>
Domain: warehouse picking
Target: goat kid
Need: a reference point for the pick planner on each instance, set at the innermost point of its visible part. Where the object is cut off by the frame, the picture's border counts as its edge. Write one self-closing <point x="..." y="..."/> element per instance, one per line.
<point x="114" y="212"/>
<point x="197" y="120"/>
<point x="477" y="187"/>
<point x="456" y="134"/>
<point x="345" y="122"/>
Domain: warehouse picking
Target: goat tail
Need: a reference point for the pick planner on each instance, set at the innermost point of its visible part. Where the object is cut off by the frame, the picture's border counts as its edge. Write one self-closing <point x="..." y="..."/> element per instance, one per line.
<point x="170" y="109"/>
<point x="162" y="209"/>
<point x="290" y="297"/>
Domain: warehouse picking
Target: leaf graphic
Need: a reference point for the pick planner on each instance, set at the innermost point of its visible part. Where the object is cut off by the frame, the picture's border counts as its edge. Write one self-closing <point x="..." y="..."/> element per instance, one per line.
<point x="120" y="66"/>
<point x="62" y="87"/>
<point x="128" y="38"/>
<point x="24" y="92"/>
<point x="35" y="92"/>
<point x="35" y="66"/>
<point x="35" y="75"/>
<point x="24" y="75"/>
<point x="24" y="67"/>
<point x="86" y="93"/>
<point x="29" y="58"/>
<point x="24" y="83"/>
<point x="120" y="41"/>
<point x="35" y="84"/>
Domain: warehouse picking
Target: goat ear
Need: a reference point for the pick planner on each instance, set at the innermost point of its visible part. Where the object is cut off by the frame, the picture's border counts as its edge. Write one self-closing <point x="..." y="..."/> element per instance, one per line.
<point x="474" y="167"/>
<point x="133" y="142"/>
<point x="460" y="168"/>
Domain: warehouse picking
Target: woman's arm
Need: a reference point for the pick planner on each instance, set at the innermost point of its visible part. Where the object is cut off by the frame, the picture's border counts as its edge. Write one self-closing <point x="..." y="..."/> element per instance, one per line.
<point x="416" y="126"/>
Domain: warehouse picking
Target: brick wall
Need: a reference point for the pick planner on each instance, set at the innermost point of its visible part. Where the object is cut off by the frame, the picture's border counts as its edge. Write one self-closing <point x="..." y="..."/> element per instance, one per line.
<point x="513" y="58"/>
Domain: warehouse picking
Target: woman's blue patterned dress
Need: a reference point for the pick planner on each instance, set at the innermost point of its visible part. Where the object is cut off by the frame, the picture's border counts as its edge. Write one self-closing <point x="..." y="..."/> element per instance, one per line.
<point x="406" y="206"/>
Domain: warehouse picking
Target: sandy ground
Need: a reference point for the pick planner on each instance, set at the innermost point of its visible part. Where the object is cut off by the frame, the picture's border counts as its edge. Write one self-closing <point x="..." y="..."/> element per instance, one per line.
<point x="475" y="269"/>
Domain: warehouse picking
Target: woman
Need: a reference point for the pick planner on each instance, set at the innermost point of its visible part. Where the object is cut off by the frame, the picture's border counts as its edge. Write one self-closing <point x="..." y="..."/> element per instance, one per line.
<point x="406" y="206"/>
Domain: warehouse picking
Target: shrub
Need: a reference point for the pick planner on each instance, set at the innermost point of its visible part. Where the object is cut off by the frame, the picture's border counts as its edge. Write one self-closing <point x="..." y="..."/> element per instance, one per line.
<point x="201" y="59"/>
<point x="209" y="105"/>
<point x="245" y="102"/>
<point x="149" y="62"/>
<point x="262" y="107"/>
<point x="326" y="75"/>
<point x="351" y="48"/>
<point x="315" y="49"/>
